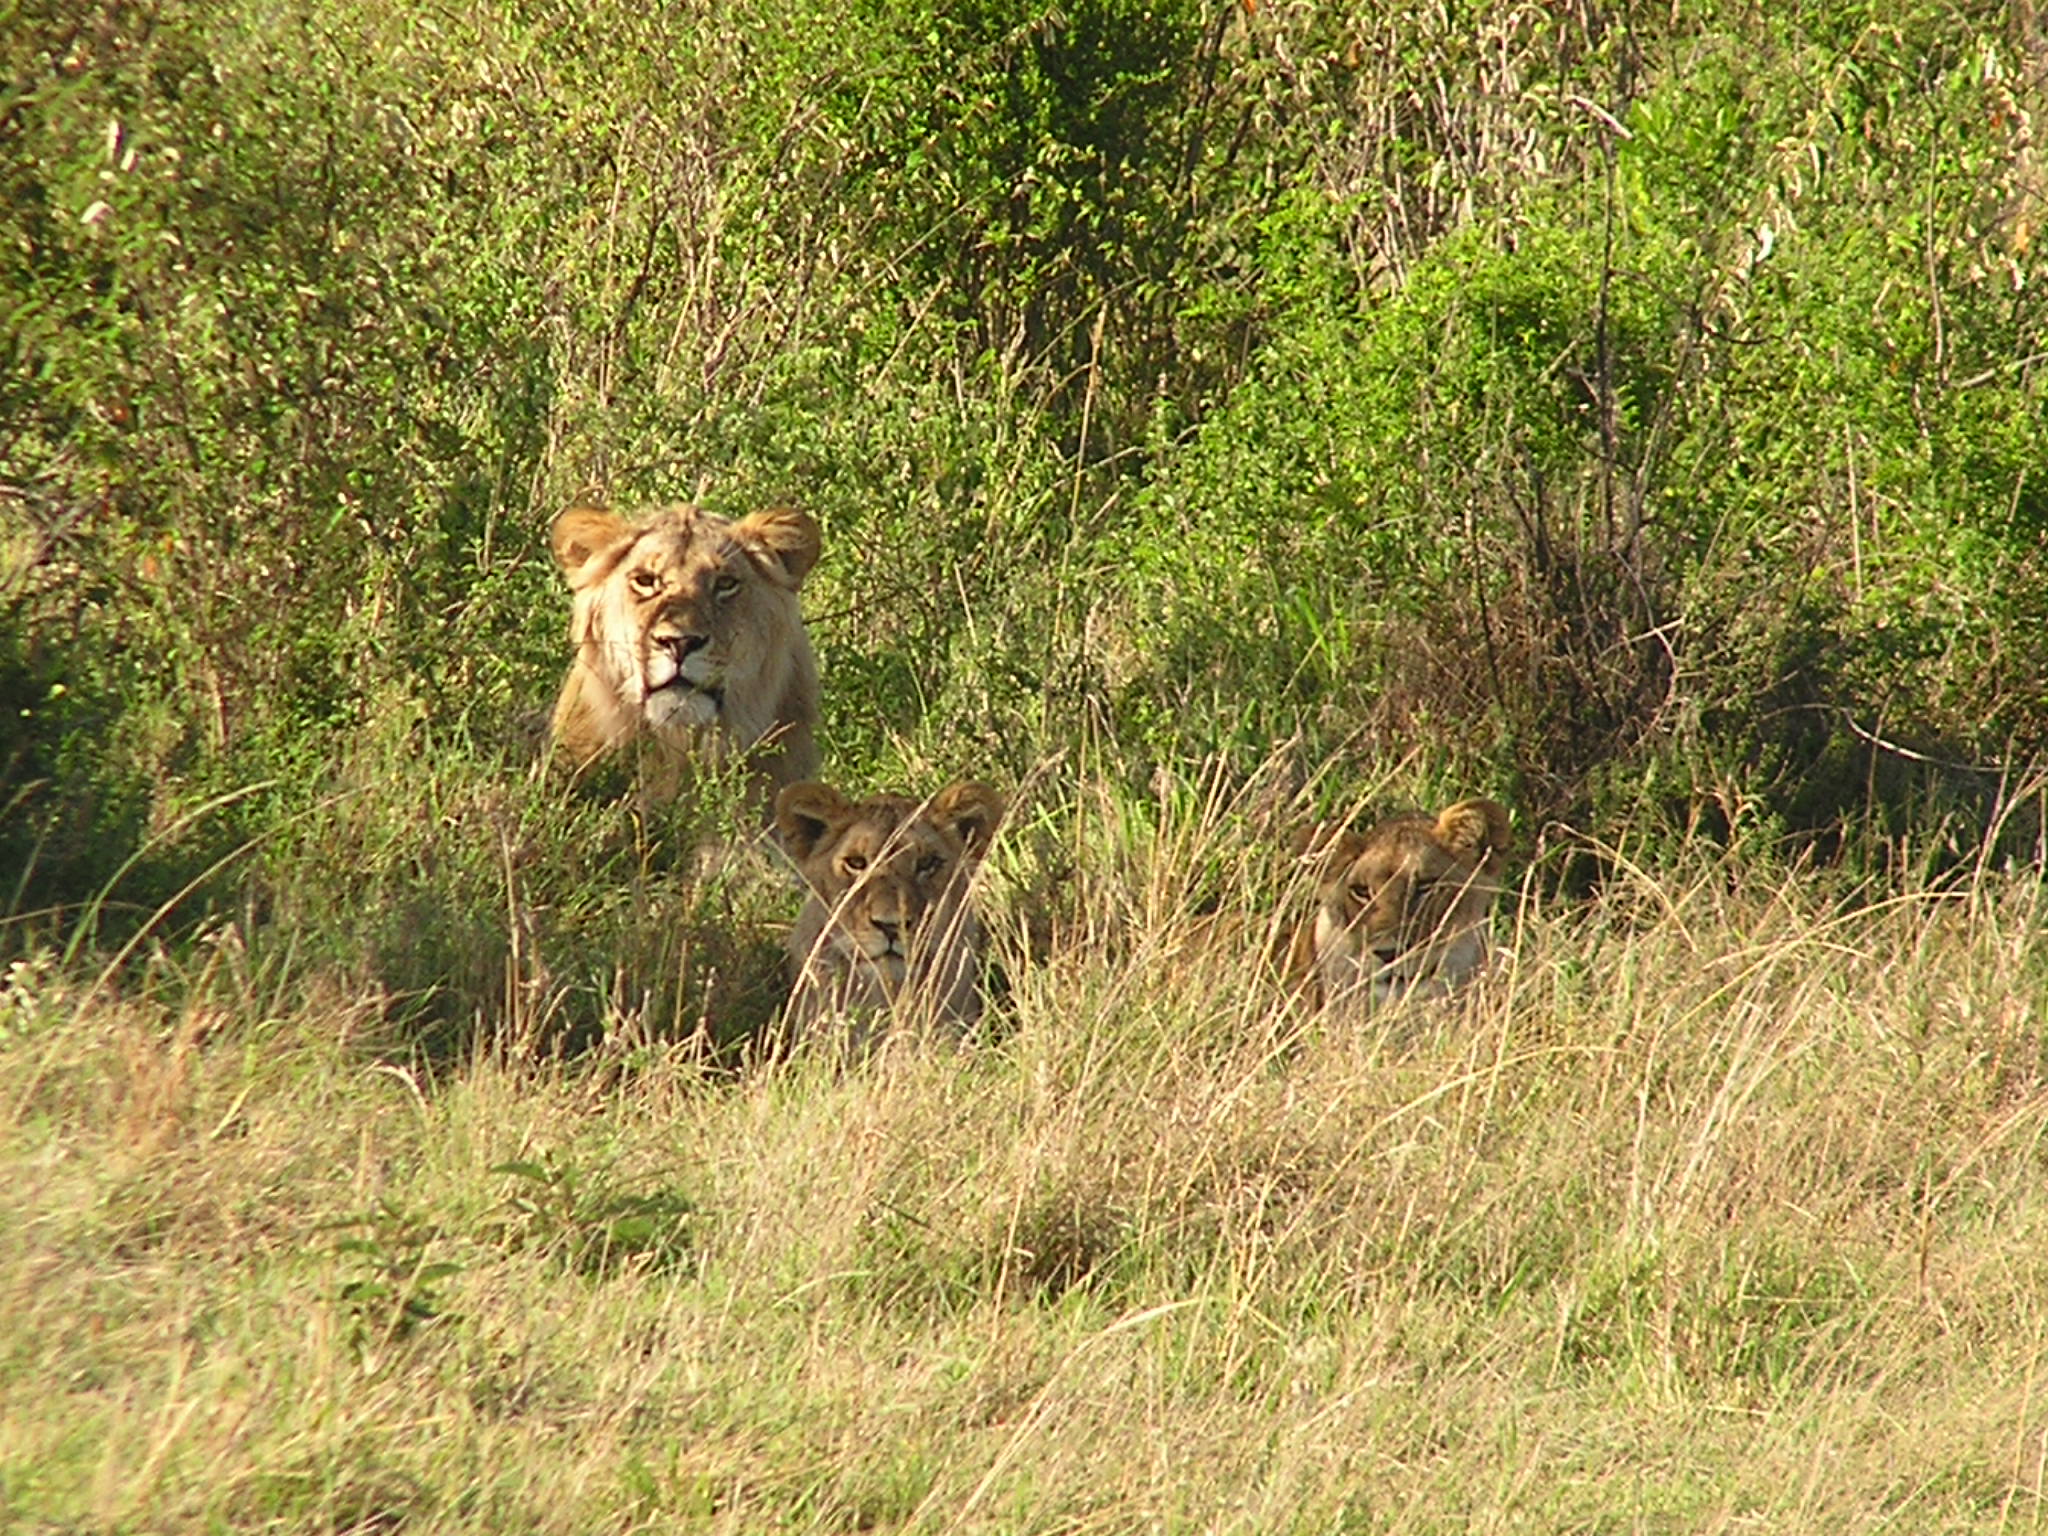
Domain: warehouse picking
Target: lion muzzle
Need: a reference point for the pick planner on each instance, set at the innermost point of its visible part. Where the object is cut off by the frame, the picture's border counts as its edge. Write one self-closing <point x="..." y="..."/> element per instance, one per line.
<point x="682" y="680"/>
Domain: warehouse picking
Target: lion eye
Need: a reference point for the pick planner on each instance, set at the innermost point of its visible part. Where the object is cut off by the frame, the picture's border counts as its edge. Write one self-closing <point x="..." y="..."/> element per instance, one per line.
<point x="854" y="863"/>
<point x="725" y="586"/>
<point x="929" y="865"/>
<point x="644" y="581"/>
<point x="1361" y="892"/>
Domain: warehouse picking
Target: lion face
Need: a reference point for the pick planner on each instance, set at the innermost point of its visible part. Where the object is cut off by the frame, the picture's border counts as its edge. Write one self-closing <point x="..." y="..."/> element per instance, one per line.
<point x="1403" y="909"/>
<point x="888" y="921"/>
<point x="686" y="629"/>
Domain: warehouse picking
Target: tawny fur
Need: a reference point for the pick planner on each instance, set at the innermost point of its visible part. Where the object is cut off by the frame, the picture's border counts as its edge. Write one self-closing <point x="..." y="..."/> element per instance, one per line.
<point x="888" y="931"/>
<point x="1401" y="911"/>
<point x="686" y="640"/>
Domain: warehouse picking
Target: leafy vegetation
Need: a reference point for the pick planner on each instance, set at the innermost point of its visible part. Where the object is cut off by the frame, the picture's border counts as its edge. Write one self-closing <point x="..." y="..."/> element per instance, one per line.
<point x="1643" y="413"/>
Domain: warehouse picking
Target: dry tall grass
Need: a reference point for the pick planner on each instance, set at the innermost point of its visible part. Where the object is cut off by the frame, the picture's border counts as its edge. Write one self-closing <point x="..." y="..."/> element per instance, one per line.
<point x="1717" y="1207"/>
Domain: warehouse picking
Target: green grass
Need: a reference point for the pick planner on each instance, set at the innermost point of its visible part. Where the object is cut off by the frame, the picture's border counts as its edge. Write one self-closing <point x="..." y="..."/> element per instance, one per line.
<point x="1717" y="1207"/>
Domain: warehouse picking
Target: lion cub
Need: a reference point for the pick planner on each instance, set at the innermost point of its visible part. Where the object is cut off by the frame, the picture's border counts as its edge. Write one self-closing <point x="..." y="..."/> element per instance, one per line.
<point x="888" y="924"/>
<point x="1401" y="911"/>
<point x="686" y="636"/>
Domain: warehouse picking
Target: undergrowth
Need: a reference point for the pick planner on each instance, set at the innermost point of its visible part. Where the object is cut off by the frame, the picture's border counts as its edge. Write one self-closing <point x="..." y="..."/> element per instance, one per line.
<point x="1722" y="1176"/>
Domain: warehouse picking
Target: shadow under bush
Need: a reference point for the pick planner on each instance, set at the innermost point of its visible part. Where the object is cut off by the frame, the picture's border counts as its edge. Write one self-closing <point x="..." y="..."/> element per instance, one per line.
<point x="476" y="896"/>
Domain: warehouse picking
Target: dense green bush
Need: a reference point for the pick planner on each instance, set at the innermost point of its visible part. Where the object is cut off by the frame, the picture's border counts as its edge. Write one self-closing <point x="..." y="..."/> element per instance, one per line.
<point x="1698" y="464"/>
<point x="1638" y="416"/>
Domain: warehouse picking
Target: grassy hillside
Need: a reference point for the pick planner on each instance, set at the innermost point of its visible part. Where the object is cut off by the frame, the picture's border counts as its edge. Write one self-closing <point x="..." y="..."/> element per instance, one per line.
<point x="1218" y="416"/>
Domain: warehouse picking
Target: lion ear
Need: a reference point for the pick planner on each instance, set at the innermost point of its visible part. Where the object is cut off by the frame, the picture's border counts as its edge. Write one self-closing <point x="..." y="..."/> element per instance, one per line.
<point x="581" y="536"/>
<point x="1304" y="841"/>
<point x="806" y="814"/>
<point x="1475" y="828"/>
<point x="1325" y="844"/>
<point x="972" y="811"/>
<point x="781" y="539"/>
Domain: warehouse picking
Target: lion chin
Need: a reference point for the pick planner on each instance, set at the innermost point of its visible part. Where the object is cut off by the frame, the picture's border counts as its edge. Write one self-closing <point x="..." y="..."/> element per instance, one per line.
<point x="686" y="634"/>
<point x="678" y="706"/>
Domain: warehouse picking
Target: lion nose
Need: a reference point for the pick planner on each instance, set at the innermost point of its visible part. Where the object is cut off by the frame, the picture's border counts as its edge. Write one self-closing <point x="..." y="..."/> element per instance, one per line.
<point x="888" y="928"/>
<point x="1387" y="956"/>
<point x="681" y="646"/>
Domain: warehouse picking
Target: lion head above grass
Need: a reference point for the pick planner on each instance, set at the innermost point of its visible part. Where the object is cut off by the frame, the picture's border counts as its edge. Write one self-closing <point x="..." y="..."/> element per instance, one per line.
<point x="686" y="636"/>
<point x="889" y="925"/>
<point x="1402" y="910"/>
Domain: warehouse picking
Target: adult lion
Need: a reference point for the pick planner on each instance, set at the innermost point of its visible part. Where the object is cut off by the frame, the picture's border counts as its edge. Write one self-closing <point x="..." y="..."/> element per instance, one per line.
<point x="1402" y="910"/>
<point x="888" y="926"/>
<point x="687" y="639"/>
